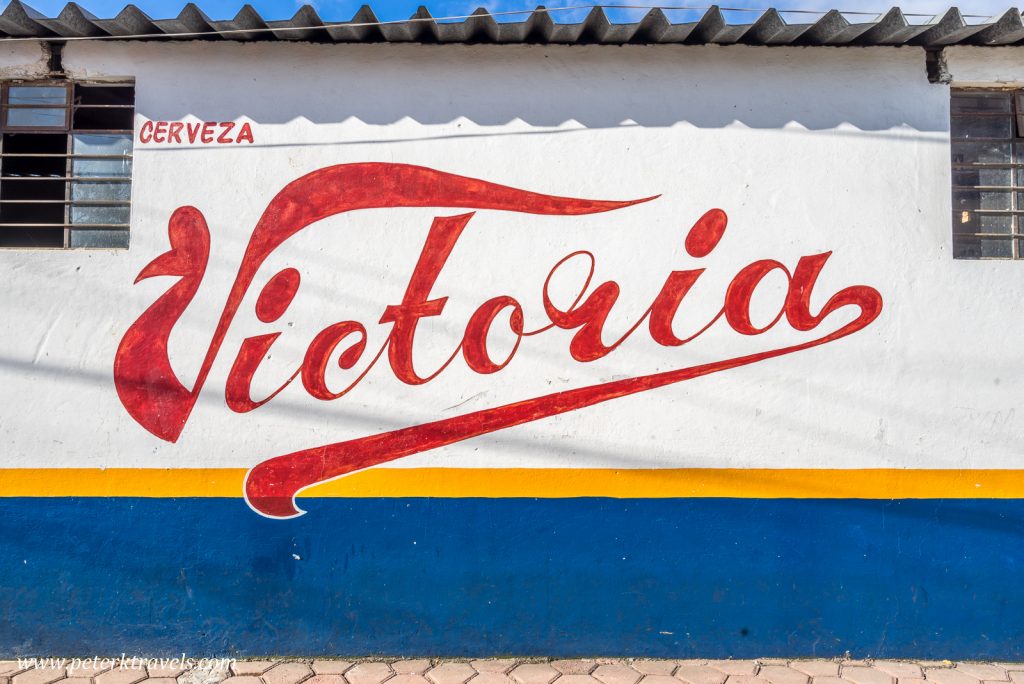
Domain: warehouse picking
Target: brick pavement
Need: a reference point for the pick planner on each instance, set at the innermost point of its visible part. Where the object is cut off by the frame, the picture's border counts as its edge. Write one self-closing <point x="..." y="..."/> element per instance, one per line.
<point x="518" y="671"/>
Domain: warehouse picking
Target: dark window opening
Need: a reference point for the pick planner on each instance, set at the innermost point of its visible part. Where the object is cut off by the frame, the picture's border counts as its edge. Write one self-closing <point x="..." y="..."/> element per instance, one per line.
<point x="103" y="118"/>
<point x="94" y="94"/>
<point x="32" y="237"/>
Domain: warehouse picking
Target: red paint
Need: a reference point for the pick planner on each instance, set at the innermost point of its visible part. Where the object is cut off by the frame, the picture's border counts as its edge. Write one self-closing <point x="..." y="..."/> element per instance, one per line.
<point x="741" y="290"/>
<point x="225" y="128"/>
<point x="589" y="317"/>
<point x="206" y="133"/>
<point x="277" y="295"/>
<point x="145" y="381"/>
<point x="706" y="233"/>
<point x="474" y="342"/>
<point x="666" y="304"/>
<point x="160" y="132"/>
<point x="314" y="366"/>
<point x="271" y="486"/>
<point x="245" y="133"/>
<point x="163" y="406"/>
<point x="274" y="300"/>
<point x="156" y="399"/>
<point x="250" y="356"/>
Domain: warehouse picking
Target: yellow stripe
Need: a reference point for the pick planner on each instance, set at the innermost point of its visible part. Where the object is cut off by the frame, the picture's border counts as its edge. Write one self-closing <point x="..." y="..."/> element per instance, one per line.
<point x="775" y="483"/>
<point x="146" y="482"/>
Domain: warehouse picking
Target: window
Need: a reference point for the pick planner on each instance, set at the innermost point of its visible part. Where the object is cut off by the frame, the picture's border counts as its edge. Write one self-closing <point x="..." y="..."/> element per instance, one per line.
<point x="65" y="164"/>
<point x="987" y="131"/>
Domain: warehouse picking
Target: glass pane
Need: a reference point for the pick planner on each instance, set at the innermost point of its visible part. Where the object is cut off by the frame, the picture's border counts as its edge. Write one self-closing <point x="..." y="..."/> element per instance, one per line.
<point x="83" y="237"/>
<point x="981" y="127"/>
<point x="968" y="200"/>
<point x="36" y="118"/>
<point x="982" y="248"/>
<point x="100" y="190"/>
<point x="973" y="222"/>
<point x="100" y="214"/>
<point x="102" y="167"/>
<point x="986" y="153"/>
<point x="973" y="177"/>
<point x="98" y="143"/>
<point x="980" y="102"/>
<point x="37" y="95"/>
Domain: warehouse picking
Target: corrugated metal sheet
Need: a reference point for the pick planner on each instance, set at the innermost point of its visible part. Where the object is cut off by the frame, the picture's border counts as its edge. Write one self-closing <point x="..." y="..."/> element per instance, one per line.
<point x="833" y="28"/>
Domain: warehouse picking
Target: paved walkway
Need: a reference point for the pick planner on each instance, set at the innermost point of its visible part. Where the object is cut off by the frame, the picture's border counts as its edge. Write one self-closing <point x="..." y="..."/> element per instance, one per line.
<point x="506" y="671"/>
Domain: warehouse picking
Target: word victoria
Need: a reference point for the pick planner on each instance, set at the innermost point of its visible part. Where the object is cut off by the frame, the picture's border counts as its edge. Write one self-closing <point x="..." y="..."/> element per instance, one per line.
<point x="157" y="400"/>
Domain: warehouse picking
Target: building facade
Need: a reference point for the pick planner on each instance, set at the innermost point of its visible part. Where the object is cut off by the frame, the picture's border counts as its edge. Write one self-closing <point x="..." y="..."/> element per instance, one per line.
<point x="528" y="344"/>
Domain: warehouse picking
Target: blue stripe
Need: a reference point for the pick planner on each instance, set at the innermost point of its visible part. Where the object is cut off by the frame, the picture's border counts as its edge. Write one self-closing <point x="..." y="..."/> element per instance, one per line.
<point x="564" y="577"/>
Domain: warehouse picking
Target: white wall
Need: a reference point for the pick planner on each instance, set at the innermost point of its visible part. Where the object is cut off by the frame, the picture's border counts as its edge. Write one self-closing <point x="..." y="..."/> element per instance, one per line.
<point x="807" y="150"/>
<point x="978" y="66"/>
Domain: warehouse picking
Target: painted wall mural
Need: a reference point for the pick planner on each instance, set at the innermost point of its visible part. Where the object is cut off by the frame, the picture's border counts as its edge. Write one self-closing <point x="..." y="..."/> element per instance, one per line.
<point x="154" y="396"/>
<point x="562" y="351"/>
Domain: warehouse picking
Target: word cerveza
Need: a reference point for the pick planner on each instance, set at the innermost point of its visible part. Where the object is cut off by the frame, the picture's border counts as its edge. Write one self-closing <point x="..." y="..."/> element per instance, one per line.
<point x="157" y="400"/>
<point x="203" y="132"/>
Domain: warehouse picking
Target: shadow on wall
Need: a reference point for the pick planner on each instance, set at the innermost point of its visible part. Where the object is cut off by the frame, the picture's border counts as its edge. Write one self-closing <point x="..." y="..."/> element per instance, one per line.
<point x="870" y="89"/>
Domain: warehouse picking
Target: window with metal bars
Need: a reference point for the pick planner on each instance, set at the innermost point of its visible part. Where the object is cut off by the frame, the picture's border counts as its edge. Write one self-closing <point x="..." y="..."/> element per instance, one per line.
<point x="987" y="132"/>
<point x="65" y="164"/>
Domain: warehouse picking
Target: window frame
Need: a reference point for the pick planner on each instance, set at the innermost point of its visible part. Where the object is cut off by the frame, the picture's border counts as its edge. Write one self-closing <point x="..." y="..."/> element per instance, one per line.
<point x="5" y="104"/>
<point x="1014" y="165"/>
<point x="71" y="107"/>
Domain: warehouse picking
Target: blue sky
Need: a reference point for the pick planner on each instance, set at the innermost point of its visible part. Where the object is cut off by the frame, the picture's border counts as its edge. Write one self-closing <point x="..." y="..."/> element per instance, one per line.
<point x="340" y="10"/>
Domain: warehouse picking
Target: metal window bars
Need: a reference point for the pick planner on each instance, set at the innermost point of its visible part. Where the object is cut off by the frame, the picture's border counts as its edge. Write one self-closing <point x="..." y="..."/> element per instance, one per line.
<point x="65" y="164"/>
<point x="987" y="154"/>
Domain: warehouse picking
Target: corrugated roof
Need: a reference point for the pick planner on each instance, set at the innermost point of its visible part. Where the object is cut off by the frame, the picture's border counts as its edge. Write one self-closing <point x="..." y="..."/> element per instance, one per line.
<point x="19" y="20"/>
